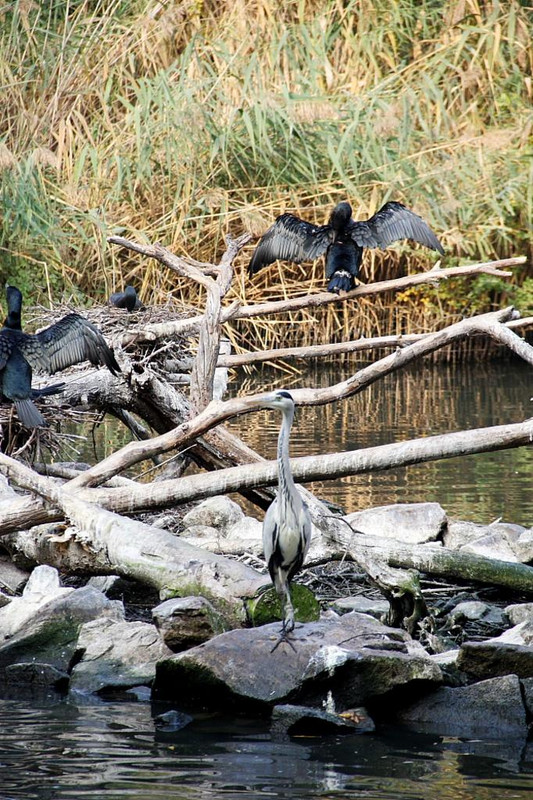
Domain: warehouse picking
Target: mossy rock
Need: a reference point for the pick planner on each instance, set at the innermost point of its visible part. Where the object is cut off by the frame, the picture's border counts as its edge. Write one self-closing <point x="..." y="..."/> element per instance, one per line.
<point x="267" y="606"/>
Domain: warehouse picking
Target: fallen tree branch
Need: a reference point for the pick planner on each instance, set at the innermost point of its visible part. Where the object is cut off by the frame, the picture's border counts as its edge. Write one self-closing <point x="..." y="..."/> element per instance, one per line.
<point x="356" y="345"/>
<point x="433" y="560"/>
<point x="165" y="494"/>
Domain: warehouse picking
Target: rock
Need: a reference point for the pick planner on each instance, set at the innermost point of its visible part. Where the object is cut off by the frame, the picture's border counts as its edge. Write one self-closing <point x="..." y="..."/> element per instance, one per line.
<point x="520" y="612"/>
<point x="374" y="606"/>
<point x="185" y="622"/>
<point x="43" y="587"/>
<point x="172" y="721"/>
<point x="501" y="540"/>
<point x="142" y="694"/>
<point x="289" y="720"/>
<point x="12" y="578"/>
<point x="476" y="610"/>
<point x="267" y="606"/>
<point x="343" y="661"/>
<point x="495" y="657"/>
<point x="447" y="662"/>
<point x="105" y="583"/>
<point x="414" y="523"/>
<point x="116" y="654"/>
<point x="49" y="633"/>
<point x="216" y="512"/>
<point x="244" y="537"/>
<point x="490" y="709"/>
<point x="36" y="676"/>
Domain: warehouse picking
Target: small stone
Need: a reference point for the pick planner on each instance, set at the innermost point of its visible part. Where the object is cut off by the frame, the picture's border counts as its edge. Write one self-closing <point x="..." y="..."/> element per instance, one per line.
<point x="172" y="721"/>
<point x="520" y="612"/>
<point x="364" y="605"/>
<point x="185" y="622"/>
<point x="290" y="720"/>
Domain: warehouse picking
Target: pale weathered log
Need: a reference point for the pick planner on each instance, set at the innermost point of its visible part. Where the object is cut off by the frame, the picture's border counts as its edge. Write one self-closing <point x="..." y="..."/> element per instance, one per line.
<point x="153" y="332"/>
<point x="432" y="560"/>
<point x="364" y="290"/>
<point x="338" y="348"/>
<point x="134" y="550"/>
<point x="165" y="494"/>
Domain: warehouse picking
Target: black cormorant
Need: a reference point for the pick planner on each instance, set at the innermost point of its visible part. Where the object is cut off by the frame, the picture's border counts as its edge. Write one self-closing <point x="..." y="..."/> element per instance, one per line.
<point x="342" y="240"/>
<point x="68" y="341"/>
<point x="126" y="299"/>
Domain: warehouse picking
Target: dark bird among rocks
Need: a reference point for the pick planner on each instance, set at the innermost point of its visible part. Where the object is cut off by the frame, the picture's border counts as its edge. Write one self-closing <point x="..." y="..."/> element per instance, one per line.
<point x="342" y="240"/>
<point x="70" y="340"/>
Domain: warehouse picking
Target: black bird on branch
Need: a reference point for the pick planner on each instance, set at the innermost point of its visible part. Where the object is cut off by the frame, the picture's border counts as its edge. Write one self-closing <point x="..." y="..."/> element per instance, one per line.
<point x="70" y="340"/>
<point x="342" y="240"/>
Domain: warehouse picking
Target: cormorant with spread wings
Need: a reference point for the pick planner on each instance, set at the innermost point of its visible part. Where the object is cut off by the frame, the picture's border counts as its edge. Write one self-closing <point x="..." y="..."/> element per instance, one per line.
<point x="342" y="240"/>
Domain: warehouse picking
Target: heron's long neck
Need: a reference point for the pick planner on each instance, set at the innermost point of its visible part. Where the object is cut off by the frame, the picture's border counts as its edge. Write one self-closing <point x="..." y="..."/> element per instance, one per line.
<point x="284" y="469"/>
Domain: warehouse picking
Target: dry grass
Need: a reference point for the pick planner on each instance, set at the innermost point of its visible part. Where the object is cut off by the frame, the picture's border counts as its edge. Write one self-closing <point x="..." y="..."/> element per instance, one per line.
<point x="181" y="122"/>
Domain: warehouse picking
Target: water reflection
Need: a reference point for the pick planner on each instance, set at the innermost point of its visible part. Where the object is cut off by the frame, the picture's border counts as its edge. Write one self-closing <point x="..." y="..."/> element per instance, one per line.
<point x="110" y="751"/>
<point x="419" y="402"/>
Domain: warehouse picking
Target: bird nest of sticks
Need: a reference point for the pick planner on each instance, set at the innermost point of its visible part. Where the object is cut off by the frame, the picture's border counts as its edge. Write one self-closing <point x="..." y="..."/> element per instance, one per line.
<point x="168" y="356"/>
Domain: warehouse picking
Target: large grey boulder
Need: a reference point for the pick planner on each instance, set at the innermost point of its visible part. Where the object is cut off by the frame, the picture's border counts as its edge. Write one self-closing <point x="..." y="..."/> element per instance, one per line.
<point x="116" y="654"/>
<point x="510" y="653"/>
<point x="185" y="622"/>
<point x="342" y="661"/>
<point x="414" y="523"/>
<point x="43" y="627"/>
<point x="490" y="709"/>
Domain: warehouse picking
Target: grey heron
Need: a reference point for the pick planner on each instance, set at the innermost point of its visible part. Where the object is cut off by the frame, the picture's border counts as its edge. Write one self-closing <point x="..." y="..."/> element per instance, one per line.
<point x="342" y="239"/>
<point x="287" y="524"/>
<point x="68" y="341"/>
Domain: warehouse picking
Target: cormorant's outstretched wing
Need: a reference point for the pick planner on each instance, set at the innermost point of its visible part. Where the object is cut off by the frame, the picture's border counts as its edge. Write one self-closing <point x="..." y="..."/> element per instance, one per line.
<point x="290" y="239"/>
<point x="393" y="222"/>
<point x="70" y="340"/>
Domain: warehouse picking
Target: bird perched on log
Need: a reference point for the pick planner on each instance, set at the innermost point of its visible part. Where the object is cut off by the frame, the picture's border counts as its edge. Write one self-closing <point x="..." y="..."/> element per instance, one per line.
<point x="70" y="340"/>
<point x="342" y="239"/>
<point x="126" y="299"/>
<point x="287" y="524"/>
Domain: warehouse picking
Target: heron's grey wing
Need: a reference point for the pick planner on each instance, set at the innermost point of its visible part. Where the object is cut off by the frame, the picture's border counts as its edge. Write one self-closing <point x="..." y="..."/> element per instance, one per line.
<point x="70" y="340"/>
<point x="393" y="222"/>
<point x="306" y="528"/>
<point x="270" y="532"/>
<point x="290" y="239"/>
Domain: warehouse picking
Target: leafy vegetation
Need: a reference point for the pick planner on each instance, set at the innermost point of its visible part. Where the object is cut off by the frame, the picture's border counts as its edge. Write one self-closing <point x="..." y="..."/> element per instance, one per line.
<point x="181" y="122"/>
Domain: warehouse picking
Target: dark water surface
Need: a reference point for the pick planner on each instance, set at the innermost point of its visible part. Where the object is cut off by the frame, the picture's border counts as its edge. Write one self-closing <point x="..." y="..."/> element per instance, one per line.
<point x="113" y="751"/>
<point x="413" y="403"/>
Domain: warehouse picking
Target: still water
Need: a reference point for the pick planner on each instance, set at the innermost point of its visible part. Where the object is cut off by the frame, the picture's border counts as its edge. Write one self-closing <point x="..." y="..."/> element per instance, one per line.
<point x="107" y="751"/>
<point x="113" y="752"/>
<point x="413" y="403"/>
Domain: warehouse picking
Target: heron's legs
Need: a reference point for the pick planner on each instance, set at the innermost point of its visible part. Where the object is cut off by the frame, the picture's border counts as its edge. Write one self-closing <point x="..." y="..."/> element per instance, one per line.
<point x="288" y="618"/>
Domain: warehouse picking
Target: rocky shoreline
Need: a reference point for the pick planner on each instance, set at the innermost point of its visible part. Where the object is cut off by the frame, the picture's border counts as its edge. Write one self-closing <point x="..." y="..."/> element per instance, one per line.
<point x="467" y="672"/>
